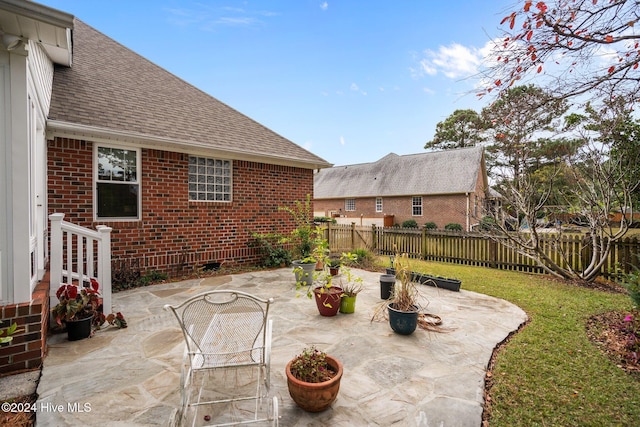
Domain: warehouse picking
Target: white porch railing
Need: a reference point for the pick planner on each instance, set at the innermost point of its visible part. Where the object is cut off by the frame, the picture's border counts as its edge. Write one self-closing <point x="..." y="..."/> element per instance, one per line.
<point x="76" y="253"/>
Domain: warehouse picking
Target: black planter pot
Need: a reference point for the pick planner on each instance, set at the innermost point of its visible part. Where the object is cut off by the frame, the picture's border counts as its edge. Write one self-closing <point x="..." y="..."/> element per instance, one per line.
<point x="403" y="322"/>
<point x="426" y="279"/>
<point x="79" y="329"/>
<point x="441" y="282"/>
<point x="386" y="285"/>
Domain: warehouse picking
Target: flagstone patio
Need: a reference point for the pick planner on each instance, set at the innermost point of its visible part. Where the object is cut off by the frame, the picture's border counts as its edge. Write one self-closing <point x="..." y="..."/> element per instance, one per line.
<point x="130" y="377"/>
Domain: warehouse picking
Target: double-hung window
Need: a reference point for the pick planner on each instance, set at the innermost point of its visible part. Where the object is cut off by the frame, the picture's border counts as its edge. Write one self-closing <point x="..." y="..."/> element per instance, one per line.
<point x="416" y="208"/>
<point x="378" y="204"/>
<point x="117" y="195"/>
<point x="209" y="179"/>
<point x="350" y="205"/>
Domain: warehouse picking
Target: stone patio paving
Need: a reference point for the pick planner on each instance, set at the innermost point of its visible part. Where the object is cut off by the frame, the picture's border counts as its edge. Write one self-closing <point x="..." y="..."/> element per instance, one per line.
<point x="130" y="377"/>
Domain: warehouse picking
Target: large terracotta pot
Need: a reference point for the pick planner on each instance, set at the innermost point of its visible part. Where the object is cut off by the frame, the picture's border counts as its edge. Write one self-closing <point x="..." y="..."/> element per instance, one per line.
<point x="328" y="300"/>
<point x="315" y="397"/>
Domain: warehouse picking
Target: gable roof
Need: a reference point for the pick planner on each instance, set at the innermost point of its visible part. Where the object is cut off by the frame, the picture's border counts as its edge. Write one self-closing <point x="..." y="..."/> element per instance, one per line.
<point x="441" y="172"/>
<point x="113" y="94"/>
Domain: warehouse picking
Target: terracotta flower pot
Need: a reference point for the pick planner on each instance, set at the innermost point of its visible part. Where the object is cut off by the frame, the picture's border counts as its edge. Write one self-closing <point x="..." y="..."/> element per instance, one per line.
<point x="328" y="300"/>
<point x="315" y="397"/>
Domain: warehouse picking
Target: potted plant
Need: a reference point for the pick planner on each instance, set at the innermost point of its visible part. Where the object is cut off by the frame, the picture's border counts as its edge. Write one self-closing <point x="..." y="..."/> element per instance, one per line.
<point x="304" y="239"/>
<point x="430" y="280"/>
<point x="334" y="266"/>
<point x="350" y="284"/>
<point x="326" y="295"/>
<point x="402" y="306"/>
<point x="313" y="379"/>
<point x="80" y="310"/>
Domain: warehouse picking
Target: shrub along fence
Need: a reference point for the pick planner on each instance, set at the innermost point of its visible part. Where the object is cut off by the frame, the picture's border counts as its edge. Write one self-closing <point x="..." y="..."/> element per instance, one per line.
<point x="476" y="248"/>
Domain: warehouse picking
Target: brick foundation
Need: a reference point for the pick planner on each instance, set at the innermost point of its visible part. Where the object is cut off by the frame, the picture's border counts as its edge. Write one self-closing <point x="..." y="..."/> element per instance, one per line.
<point x="28" y="348"/>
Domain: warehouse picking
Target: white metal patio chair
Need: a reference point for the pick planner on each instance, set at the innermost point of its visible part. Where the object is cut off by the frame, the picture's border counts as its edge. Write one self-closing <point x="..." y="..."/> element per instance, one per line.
<point x="227" y="337"/>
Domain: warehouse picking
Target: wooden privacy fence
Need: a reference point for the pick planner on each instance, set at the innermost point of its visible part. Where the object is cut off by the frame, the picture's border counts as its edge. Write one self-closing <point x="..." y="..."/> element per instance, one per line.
<point x="477" y="248"/>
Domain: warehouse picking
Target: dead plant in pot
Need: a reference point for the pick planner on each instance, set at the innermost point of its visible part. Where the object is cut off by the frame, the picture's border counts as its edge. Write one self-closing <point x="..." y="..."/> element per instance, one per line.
<point x="404" y="306"/>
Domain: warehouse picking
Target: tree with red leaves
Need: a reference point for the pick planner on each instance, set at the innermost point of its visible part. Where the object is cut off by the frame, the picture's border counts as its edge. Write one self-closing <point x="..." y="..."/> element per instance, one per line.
<point x="577" y="47"/>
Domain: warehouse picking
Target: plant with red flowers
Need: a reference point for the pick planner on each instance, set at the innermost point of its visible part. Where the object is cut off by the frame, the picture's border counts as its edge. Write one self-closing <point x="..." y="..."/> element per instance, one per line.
<point x="78" y="303"/>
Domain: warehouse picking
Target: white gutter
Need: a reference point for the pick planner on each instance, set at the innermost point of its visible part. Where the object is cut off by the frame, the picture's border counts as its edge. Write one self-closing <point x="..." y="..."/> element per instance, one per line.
<point x="56" y="128"/>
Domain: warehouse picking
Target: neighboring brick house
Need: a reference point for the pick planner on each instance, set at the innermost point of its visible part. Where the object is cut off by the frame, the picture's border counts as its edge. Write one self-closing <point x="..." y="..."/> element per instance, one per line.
<point x="442" y="187"/>
<point x="98" y="133"/>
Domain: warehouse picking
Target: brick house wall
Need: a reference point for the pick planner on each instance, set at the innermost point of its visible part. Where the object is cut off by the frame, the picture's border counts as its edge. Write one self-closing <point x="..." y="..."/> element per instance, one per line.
<point x="176" y="235"/>
<point x="441" y="209"/>
<point x="28" y="348"/>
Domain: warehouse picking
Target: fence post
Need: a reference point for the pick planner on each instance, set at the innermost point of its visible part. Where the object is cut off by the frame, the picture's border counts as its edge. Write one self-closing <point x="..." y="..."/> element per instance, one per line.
<point x="353" y="235"/>
<point x="55" y="261"/>
<point x="374" y="238"/>
<point x="493" y="253"/>
<point x="328" y="233"/>
<point x="424" y="243"/>
<point x="104" y="267"/>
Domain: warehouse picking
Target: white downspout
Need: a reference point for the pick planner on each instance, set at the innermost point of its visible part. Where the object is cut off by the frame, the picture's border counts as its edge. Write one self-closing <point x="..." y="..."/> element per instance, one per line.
<point x="468" y="212"/>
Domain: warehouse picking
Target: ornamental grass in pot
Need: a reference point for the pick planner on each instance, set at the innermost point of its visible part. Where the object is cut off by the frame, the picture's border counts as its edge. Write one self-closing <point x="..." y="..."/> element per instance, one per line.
<point x="313" y="379"/>
<point x="403" y="307"/>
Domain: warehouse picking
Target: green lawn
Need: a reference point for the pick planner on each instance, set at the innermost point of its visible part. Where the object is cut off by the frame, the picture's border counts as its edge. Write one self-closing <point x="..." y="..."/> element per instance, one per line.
<point x="550" y="374"/>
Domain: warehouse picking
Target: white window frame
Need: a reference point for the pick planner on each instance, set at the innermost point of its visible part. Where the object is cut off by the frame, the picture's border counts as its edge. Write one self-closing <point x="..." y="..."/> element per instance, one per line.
<point x="213" y="182"/>
<point x="349" y="205"/>
<point x="137" y="182"/>
<point x="378" y="204"/>
<point x="415" y="205"/>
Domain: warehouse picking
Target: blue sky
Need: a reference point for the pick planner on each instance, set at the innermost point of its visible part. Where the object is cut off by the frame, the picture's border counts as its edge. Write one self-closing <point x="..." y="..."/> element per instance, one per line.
<point x="350" y="81"/>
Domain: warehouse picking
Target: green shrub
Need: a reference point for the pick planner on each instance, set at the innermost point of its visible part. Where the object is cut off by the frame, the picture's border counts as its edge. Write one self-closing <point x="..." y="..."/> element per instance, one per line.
<point x="271" y="248"/>
<point x="364" y="259"/>
<point x="152" y="276"/>
<point x="453" y="226"/>
<point x="430" y="225"/>
<point x="487" y="223"/>
<point x="410" y="223"/>
<point x="324" y="219"/>
<point x="631" y="281"/>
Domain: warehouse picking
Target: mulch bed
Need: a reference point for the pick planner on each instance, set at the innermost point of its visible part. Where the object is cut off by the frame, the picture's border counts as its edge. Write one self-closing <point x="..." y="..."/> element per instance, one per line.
<point x="611" y="334"/>
<point x="19" y="419"/>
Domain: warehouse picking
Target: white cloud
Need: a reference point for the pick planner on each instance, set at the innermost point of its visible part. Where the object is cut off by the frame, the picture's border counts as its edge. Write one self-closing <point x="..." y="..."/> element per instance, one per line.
<point x="453" y="61"/>
<point x="354" y="88"/>
<point x="341" y="140"/>
<point x="324" y="5"/>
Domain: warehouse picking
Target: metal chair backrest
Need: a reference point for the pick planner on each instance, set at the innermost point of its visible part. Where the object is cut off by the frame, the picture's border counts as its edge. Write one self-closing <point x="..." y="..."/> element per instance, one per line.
<point x="224" y="328"/>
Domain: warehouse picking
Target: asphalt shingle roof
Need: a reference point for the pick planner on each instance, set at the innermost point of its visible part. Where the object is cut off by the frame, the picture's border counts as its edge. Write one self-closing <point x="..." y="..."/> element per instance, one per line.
<point x="111" y="87"/>
<point x="442" y="172"/>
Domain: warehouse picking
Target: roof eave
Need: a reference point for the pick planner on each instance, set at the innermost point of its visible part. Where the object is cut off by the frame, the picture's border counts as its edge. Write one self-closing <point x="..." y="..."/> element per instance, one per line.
<point x="56" y="128"/>
<point x="51" y="27"/>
